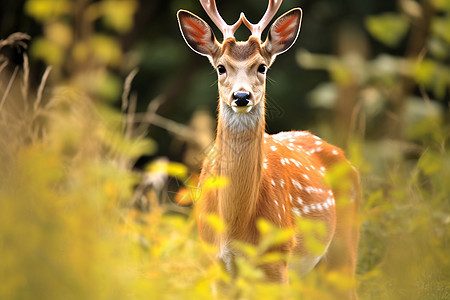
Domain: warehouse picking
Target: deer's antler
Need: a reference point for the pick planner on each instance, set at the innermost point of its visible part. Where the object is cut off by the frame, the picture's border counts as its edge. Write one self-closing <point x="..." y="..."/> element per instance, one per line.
<point x="211" y="9"/>
<point x="228" y="30"/>
<point x="257" y="29"/>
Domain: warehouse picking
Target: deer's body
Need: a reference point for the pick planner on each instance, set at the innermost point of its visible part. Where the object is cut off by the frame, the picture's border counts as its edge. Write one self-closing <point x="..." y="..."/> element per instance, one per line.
<point x="276" y="177"/>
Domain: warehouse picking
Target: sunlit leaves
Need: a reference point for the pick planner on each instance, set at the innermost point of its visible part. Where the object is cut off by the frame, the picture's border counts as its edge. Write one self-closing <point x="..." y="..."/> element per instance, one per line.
<point x="272" y="236"/>
<point x="424" y="121"/>
<point x="125" y="147"/>
<point x="44" y="10"/>
<point x="314" y="233"/>
<point x="430" y="163"/>
<point x="441" y="4"/>
<point x="170" y="168"/>
<point x="388" y="28"/>
<point x="119" y="14"/>
<point x="59" y="33"/>
<point x="339" y="176"/>
<point x="105" y="49"/>
<point x="432" y="75"/>
<point x="48" y="51"/>
<point x="52" y="48"/>
<point x="52" y="219"/>
<point x="214" y="182"/>
<point x="440" y="27"/>
<point x="215" y="223"/>
<point x="88" y="49"/>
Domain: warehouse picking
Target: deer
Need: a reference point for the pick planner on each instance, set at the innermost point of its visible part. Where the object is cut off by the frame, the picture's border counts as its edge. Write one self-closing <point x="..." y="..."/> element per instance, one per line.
<point x="279" y="177"/>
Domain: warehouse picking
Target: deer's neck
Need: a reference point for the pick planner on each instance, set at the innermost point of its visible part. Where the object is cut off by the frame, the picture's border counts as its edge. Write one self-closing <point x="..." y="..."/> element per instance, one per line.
<point x="239" y="143"/>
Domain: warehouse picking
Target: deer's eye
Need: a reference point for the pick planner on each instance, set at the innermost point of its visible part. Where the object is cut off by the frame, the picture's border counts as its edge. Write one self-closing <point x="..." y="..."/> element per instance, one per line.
<point x="262" y="69"/>
<point x="221" y="69"/>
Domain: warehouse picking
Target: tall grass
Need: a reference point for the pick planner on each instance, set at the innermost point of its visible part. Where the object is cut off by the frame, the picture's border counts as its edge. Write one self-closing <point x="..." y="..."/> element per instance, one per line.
<point x="68" y="230"/>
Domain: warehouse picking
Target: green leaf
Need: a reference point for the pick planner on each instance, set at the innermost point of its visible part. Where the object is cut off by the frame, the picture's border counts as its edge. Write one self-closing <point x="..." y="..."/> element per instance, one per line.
<point x="272" y="235"/>
<point x="106" y="49"/>
<point x="215" y="182"/>
<point x="430" y="163"/>
<point x="103" y="84"/>
<point x="129" y="148"/>
<point x="440" y="27"/>
<point x="388" y="28"/>
<point x="250" y="251"/>
<point x="48" y="51"/>
<point x="216" y="223"/>
<point x="272" y="257"/>
<point x="119" y="14"/>
<point x="423" y="71"/>
<point x="441" y="4"/>
<point x="170" y="168"/>
<point x="264" y="226"/>
<point x="46" y="10"/>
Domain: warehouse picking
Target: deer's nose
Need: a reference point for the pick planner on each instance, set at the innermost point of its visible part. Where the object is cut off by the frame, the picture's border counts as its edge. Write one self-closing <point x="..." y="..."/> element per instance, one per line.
<point x="241" y="98"/>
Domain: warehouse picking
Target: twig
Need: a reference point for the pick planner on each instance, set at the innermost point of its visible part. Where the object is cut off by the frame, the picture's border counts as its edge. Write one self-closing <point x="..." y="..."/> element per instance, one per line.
<point x="127" y="88"/>
<point x="41" y="87"/>
<point x="3" y="65"/>
<point x="129" y="109"/>
<point x="152" y="107"/>
<point x="179" y="129"/>
<point x="423" y="92"/>
<point x="8" y="87"/>
<point x="16" y="40"/>
<point x="130" y="116"/>
<point x="26" y="77"/>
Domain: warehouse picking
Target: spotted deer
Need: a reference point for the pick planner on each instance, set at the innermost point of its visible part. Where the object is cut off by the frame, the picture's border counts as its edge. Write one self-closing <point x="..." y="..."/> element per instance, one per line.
<point x="276" y="177"/>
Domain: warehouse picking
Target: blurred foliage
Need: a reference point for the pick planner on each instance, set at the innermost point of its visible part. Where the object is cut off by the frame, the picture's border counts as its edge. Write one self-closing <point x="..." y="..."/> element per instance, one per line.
<point x="388" y="28"/>
<point x="71" y="222"/>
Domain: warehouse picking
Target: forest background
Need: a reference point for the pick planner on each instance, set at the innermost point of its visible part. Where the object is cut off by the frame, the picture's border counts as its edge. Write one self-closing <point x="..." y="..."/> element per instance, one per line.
<point x="105" y="114"/>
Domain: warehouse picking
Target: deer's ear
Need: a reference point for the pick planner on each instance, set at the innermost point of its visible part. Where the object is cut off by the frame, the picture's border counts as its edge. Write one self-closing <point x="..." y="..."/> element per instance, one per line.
<point x="284" y="32"/>
<point x="197" y="34"/>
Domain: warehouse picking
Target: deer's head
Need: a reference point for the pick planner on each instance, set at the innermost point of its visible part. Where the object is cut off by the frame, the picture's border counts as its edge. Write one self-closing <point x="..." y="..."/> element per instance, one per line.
<point x="241" y="65"/>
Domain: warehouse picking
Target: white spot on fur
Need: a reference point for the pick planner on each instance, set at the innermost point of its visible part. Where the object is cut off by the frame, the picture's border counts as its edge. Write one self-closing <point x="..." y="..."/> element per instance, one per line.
<point x="301" y="133"/>
<point x="297" y="184"/>
<point x="330" y="201"/>
<point x="296" y="211"/>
